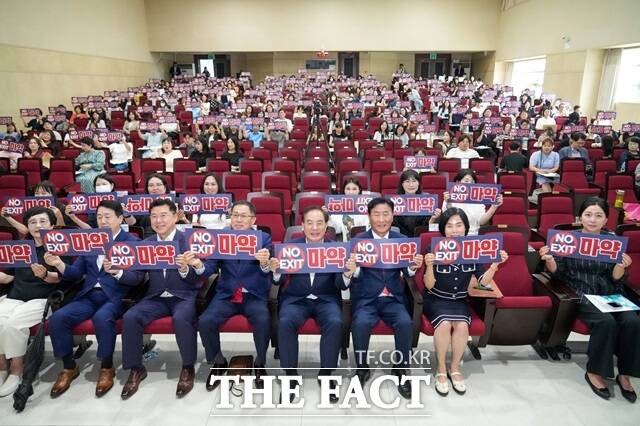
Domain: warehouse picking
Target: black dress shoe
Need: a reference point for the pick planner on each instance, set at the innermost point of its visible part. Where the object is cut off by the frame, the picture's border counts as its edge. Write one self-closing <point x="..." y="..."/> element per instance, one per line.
<point x="627" y="394"/>
<point x="403" y="389"/>
<point x="216" y="370"/>
<point x="332" y="386"/>
<point x="363" y="375"/>
<point x="601" y="392"/>
<point x="259" y="371"/>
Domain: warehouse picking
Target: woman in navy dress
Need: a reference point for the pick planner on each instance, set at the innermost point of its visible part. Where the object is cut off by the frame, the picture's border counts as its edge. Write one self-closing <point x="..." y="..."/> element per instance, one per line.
<point x="445" y="301"/>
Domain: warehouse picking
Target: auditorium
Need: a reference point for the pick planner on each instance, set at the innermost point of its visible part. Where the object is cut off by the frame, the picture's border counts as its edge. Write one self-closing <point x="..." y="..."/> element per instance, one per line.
<point x="220" y="212"/>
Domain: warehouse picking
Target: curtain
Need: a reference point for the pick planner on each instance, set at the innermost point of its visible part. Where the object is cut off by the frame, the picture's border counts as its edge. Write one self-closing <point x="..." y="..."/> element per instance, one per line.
<point x="610" y="71"/>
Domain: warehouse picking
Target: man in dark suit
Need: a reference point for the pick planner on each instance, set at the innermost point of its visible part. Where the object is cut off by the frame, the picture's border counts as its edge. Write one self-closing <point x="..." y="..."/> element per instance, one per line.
<point x="315" y="296"/>
<point x="378" y="294"/>
<point x="171" y="292"/>
<point x="99" y="299"/>
<point x="175" y="70"/>
<point x="242" y="289"/>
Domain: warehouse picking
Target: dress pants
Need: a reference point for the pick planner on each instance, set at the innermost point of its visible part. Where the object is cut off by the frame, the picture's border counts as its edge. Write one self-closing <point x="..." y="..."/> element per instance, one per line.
<point x="95" y="305"/>
<point x="394" y="314"/>
<point x="612" y="333"/>
<point x="183" y="313"/>
<point x="293" y="315"/>
<point x="219" y="311"/>
<point x="16" y="317"/>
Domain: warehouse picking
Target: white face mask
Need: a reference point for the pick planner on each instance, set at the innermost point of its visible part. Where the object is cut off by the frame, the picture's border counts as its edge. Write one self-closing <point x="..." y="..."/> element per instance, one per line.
<point x="103" y="188"/>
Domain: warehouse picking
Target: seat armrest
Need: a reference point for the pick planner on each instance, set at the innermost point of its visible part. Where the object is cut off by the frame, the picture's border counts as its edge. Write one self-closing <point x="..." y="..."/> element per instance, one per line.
<point x="544" y="284"/>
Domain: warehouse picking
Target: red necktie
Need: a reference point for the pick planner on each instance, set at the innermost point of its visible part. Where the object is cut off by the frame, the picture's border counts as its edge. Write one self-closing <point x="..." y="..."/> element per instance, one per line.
<point x="386" y="292"/>
<point x="237" y="296"/>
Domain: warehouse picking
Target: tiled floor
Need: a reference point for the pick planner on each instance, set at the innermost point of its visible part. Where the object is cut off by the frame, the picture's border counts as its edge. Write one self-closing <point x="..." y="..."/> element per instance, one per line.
<point x="510" y="385"/>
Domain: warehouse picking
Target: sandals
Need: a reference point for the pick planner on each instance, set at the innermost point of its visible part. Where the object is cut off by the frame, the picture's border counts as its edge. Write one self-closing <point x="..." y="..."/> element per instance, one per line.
<point x="442" y="387"/>
<point x="458" y="385"/>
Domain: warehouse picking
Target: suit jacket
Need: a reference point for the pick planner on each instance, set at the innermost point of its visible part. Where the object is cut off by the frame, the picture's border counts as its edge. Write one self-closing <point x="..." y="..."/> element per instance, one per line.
<point x="298" y="286"/>
<point x="183" y="288"/>
<point x="368" y="286"/>
<point x="87" y="266"/>
<point x="245" y="274"/>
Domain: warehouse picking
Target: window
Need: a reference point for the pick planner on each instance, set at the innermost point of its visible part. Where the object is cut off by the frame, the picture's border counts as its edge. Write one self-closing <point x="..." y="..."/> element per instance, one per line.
<point x="627" y="81"/>
<point x="528" y="74"/>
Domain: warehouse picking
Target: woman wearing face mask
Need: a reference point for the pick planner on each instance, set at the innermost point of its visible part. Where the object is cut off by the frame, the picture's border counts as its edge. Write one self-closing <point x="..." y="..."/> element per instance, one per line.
<point x="102" y="184"/>
<point x="211" y="184"/>
<point x="445" y="302"/>
<point x="610" y="333"/>
<point x="42" y="189"/>
<point x="476" y="213"/>
<point x="342" y="223"/>
<point x="23" y="306"/>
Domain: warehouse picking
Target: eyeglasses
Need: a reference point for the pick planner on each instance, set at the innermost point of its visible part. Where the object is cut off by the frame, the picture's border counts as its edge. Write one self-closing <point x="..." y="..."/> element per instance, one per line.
<point x="241" y="216"/>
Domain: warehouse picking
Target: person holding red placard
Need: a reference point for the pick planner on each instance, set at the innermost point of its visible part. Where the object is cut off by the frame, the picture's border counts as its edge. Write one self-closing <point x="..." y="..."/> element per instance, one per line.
<point x="243" y="288"/>
<point x="445" y="301"/>
<point x="314" y="295"/>
<point x="378" y="294"/>
<point x="611" y="333"/>
<point x="22" y="307"/>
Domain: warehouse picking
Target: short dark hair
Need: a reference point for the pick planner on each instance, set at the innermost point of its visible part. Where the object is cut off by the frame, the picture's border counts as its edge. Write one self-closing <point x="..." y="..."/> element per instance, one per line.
<point x="114" y="205"/>
<point x="406" y="175"/>
<point x="308" y="209"/>
<point x="377" y="201"/>
<point x="514" y="146"/>
<point x="250" y="205"/>
<point x="633" y="139"/>
<point x="576" y="136"/>
<point x="47" y="186"/>
<point x="106" y="177"/>
<point x="448" y="214"/>
<point x="158" y="202"/>
<point x="87" y="141"/>
<point x="465" y="172"/>
<point x="33" y="211"/>
<point x="155" y="175"/>
<point x="594" y="201"/>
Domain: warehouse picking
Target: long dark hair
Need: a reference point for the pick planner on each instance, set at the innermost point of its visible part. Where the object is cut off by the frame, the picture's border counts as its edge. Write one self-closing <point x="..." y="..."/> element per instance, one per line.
<point x="594" y="201"/>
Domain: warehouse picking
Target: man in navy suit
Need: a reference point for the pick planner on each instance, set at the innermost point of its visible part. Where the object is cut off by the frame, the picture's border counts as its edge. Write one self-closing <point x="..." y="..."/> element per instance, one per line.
<point x="315" y="296"/>
<point x="243" y="288"/>
<point x="171" y="292"/>
<point x="378" y="294"/>
<point x="99" y="299"/>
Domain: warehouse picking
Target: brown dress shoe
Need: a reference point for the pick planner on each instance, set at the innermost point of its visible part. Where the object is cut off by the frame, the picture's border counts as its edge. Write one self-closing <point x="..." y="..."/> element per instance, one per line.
<point x="133" y="381"/>
<point x="105" y="381"/>
<point x="63" y="381"/>
<point x="185" y="384"/>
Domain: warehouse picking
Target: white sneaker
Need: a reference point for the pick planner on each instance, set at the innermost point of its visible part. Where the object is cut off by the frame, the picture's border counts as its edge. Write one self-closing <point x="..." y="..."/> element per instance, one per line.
<point x="3" y="376"/>
<point x="10" y="385"/>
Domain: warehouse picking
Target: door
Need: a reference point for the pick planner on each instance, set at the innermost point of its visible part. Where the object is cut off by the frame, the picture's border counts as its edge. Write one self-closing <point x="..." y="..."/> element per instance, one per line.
<point x="348" y="63"/>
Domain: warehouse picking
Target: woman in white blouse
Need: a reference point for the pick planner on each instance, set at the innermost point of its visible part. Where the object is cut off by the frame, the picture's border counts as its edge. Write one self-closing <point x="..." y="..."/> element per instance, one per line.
<point x="545" y="120"/>
<point x="169" y="154"/>
<point x="211" y="185"/>
<point x="463" y="151"/>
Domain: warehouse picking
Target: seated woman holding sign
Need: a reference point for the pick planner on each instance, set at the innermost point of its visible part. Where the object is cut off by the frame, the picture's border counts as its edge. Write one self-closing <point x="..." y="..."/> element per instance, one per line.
<point x="211" y="184"/>
<point x="410" y="184"/>
<point x="445" y="301"/>
<point x="463" y="151"/>
<point x="477" y="214"/>
<point x="22" y="307"/>
<point x="42" y="189"/>
<point x="342" y="223"/>
<point x="101" y="184"/>
<point x="611" y="333"/>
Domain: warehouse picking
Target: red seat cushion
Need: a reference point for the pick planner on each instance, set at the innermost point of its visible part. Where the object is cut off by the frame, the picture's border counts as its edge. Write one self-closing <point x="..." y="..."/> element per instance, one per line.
<point x="580" y="327"/>
<point x="310" y="326"/>
<point x="475" y="329"/>
<point x="162" y="325"/>
<point x="524" y="302"/>
<point x="382" y="328"/>
<point x="237" y="324"/>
